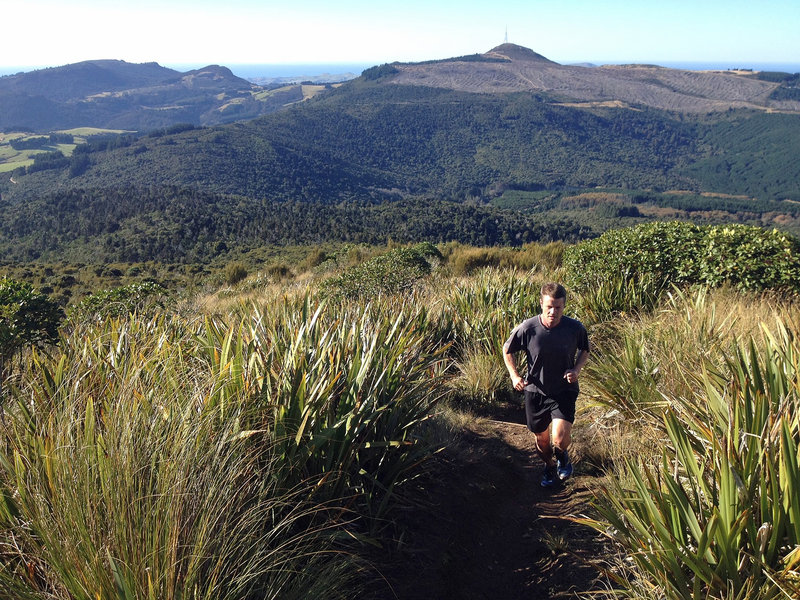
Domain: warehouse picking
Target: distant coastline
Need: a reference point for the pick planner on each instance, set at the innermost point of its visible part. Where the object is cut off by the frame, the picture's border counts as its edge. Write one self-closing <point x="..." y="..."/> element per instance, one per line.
<point x="268" y="70"/>
<point x="250" y="71"/>
<point x="787" y="67"/>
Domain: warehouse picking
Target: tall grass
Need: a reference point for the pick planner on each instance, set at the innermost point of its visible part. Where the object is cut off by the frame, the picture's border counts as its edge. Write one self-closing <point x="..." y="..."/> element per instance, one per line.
<point x="466" y="260"/>
<point x="343" y="389"/>
<point x="486" y="307"/>
<point x="481" y="311"/>
<point x="120" y="478"/>
<point x="211" y="458"/>
<point x="226" y="455"/>
<point x="602" y="299"/>
<point x="717" y="514"/>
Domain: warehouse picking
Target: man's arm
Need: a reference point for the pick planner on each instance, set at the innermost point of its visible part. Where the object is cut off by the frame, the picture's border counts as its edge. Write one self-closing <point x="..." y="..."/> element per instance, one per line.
<point x="511" y="364"/>
<point x="572" y="374"/>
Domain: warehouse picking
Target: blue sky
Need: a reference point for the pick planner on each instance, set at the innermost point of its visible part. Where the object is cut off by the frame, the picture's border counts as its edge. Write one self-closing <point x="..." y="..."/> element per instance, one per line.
<point x="734" y="33"/>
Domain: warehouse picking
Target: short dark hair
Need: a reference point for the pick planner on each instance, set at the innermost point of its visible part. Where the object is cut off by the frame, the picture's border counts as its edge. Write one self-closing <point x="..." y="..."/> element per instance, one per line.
<point x="554" y="290"/>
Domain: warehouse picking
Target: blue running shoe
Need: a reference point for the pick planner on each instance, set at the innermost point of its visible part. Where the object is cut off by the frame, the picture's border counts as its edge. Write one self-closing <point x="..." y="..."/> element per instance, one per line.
<point x="563" y="466"/>
<point x="549" y="477"/>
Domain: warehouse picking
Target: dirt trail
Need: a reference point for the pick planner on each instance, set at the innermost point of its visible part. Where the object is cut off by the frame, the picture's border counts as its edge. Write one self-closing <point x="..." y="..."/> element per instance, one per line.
<point x="489" y="530"/>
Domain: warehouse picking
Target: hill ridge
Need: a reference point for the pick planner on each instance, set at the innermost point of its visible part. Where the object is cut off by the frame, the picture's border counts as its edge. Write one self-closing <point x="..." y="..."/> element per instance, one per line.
<point x="81" y="79"/>
<point x="374" y="159"/>
<point x="115" y="94"/>
<point x="519" y="69"/>
<point x="515" y="52"/>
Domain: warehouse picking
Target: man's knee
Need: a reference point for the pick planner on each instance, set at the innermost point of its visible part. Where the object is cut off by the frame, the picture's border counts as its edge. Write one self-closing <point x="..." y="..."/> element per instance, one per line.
<point x="542" y="440"/>
<point x="562" y="434"/>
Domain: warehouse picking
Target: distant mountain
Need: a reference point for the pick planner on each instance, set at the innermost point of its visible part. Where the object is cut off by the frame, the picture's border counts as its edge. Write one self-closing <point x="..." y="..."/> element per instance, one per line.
<point x="79" y="80"/>
<point x="119" y="95"/>
<point x="518" y="69"/>
<point x="500" y="147"/>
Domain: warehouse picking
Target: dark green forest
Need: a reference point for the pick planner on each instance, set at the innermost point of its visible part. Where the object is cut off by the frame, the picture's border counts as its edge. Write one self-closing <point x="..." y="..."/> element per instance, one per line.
<point x="187" y="226"/>
<point x="370" y="141"/>
<point x="373" y="161"/>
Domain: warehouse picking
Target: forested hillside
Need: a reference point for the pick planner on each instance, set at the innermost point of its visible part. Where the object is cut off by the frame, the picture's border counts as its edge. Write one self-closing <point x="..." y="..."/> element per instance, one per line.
<point x="373" y="160"/>
<point x="372" y="141"/>
<point x="174" y="225"/>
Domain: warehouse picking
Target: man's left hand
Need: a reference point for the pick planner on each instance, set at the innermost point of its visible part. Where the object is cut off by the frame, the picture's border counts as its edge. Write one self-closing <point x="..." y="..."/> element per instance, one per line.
<point x="571" y="376"/>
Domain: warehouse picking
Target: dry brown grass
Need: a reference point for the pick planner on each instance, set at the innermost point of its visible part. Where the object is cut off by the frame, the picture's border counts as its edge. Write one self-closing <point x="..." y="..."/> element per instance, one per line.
<point x="610" y="85"/>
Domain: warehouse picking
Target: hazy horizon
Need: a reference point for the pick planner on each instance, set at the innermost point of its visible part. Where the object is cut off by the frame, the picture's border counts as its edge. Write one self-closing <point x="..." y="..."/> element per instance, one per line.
<point x="312" y="69"/>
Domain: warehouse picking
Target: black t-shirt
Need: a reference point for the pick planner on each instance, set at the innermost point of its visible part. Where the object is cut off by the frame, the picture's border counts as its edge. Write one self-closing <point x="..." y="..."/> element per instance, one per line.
<point x="550" y="352"/>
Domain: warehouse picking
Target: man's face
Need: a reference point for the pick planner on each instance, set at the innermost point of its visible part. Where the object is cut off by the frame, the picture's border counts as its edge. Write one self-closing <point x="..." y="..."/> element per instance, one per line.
<point x="552" y="311"/>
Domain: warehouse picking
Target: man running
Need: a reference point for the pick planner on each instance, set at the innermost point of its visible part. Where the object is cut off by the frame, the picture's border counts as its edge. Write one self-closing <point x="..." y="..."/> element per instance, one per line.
<point x="556" y="348"/>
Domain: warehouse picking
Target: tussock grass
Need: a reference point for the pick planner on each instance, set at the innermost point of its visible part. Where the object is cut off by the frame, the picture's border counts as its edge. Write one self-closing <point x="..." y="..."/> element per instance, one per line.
<point x="463" y="260"/>
<point x="711" y="513"/>
<point x="225" y="449"/>
<point x="480" y="378"/>
<point x="123" y="477"/>
<point x="211" y="457"/>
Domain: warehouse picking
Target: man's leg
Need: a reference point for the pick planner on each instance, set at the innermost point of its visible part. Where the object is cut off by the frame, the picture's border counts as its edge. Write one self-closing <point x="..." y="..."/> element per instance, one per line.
<point x="545" y="450"/>
<point x="562" y="434"/>
<point x="562" y="438"/>
<point x="538" y="413"/>
<point x="539" y="419"/>
<point x="544" y="447"/>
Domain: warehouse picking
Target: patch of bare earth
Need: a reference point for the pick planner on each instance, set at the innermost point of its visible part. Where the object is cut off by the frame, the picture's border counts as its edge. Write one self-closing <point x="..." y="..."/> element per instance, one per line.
<point x="489" y="530"/>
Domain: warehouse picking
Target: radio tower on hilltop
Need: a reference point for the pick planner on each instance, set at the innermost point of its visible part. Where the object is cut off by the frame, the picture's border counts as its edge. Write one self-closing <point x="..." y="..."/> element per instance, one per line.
<point x="505" y="41"/>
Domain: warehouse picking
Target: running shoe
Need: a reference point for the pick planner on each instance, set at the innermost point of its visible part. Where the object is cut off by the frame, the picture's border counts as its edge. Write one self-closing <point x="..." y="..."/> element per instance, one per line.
<point x="549" y="477"/>
<point x="563" y="466"/>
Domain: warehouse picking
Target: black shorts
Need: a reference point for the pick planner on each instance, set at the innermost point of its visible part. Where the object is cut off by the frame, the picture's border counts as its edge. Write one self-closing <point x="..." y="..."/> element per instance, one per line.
<point x="540" y="410"/>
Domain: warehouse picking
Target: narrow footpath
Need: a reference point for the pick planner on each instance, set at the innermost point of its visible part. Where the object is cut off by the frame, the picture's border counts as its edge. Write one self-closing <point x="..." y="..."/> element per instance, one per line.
<point x="489" y="530"/>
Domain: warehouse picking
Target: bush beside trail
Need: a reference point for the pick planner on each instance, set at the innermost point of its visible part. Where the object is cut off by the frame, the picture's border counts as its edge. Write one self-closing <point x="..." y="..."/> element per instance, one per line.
<point x="745" y="257"/>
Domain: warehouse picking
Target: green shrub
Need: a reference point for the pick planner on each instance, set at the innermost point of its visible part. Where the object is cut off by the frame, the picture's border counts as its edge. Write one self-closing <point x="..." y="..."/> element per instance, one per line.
<point x="745" y="257"/>
<point x="234" y="273"/>
<point x="398" y="270"/>
<point x="27" y="318"/>
<point x="136" y="297"/>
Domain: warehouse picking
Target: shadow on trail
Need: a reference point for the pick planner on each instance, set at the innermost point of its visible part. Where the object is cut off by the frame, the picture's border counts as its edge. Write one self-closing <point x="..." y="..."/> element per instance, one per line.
<point x="489" y="530"/>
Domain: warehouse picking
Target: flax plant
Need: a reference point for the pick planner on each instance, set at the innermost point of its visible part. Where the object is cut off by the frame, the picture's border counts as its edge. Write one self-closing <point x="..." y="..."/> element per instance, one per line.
<point x="603" y="298"/>
<point x="342" y="390"/>
<point x="643" y="359"/>
<point x="485" y="308"/>
<point x="481" y="312"/>
<point x="719" y="516"/>
<point x="121" y="477"/>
